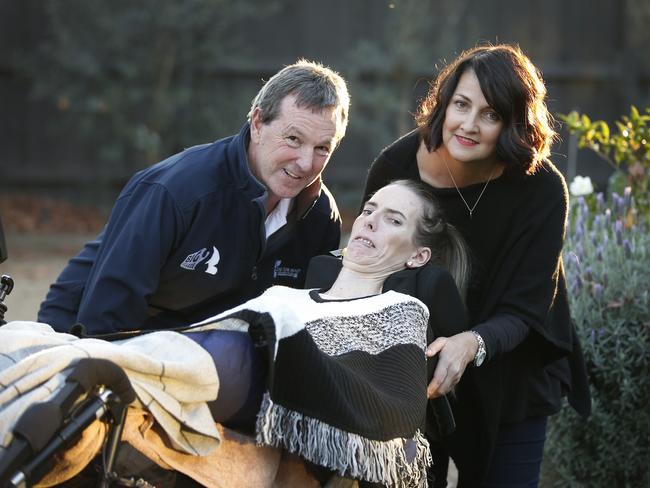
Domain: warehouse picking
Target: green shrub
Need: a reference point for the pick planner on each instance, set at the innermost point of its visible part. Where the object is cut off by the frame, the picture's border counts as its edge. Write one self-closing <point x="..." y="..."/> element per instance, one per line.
<point x="607" y="260"/>
<point x="627" y="150"/>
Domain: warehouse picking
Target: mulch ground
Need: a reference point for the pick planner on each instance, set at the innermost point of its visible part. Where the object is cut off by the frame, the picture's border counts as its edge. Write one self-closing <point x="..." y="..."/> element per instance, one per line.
<point x="33" y="214"/>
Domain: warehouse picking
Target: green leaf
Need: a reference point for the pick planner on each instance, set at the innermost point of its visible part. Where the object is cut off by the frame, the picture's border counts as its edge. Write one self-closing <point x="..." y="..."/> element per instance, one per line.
<point x="602" y="132"/>
<point x="621" y="127"/>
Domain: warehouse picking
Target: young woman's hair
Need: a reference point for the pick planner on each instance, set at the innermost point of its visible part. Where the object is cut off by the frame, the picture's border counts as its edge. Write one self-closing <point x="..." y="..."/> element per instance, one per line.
<point x="513" y="87"/>
<point x="448" y="248"/>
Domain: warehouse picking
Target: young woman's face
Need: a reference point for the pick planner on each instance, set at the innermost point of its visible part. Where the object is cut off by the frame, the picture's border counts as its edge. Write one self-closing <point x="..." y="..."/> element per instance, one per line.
<point x="382" y="236"/>
<point x="471" y="128"/>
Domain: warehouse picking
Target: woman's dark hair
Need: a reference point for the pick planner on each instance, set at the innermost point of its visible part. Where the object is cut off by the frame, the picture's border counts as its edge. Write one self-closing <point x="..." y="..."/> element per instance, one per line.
<point x="448" y="248"/>
<point x="513" y="87"/>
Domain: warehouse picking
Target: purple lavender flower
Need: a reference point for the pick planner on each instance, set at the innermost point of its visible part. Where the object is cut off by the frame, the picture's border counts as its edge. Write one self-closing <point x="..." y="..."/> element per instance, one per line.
<point x="600" y="201"/>
<point x="589" y="276"/>
<point x="580" y="222"/>
<point x="619" y="204"/>
<point x="618" y="229"/>
<point x="599" y="253"/>
<point x="598" y="222"/>
<point x="593" y="237"/>
<point x="628" y="248"/>
<point x="597" y="291"/>
<point x="578" y="283"/>
<point x="608" y="217"/>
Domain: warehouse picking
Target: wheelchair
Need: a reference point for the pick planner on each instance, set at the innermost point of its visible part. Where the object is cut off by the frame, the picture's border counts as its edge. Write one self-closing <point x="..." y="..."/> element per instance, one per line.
<point x="97" y="389"/>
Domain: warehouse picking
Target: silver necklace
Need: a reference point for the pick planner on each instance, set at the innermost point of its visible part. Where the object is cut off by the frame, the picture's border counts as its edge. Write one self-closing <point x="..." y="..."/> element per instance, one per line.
<point x="469" y="209"/>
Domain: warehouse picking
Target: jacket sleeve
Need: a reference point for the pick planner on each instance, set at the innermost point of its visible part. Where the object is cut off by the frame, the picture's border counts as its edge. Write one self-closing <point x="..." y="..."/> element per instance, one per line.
<point x="143" y="229"/>
<point x="61" y="305"/>
<point x="502" y="333"/>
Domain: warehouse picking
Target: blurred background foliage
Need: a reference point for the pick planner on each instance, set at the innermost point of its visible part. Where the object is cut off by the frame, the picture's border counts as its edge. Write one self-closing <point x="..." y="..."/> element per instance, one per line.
<point x="137" y="79"/>
<point x="93" y="91"/>
<point x="386" y="72"/>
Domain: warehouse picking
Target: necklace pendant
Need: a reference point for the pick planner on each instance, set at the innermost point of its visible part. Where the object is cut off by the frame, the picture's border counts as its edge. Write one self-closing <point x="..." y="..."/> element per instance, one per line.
<point x="460" y="194"/>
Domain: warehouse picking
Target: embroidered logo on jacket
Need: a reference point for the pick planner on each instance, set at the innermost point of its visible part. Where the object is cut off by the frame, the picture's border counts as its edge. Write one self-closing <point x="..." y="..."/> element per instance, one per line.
<point x="194" y="259"/>
<point x="280" y="271"/>
<point x="212" y="264"/>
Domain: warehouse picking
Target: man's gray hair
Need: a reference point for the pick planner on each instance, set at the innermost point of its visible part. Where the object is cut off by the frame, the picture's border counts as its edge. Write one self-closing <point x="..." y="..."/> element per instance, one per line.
<point x="314" y="86"/>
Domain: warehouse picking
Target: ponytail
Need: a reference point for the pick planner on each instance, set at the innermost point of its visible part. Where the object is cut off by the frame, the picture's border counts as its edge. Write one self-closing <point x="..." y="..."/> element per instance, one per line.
<point x="451" y="253"/>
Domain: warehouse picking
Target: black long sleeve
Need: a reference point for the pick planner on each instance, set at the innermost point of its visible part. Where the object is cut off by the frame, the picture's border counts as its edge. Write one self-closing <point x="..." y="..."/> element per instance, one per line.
<point x="502" y="333"/>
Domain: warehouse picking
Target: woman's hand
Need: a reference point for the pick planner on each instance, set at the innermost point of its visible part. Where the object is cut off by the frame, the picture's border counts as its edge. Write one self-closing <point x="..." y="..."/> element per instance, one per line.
<point x="454" y="354"/>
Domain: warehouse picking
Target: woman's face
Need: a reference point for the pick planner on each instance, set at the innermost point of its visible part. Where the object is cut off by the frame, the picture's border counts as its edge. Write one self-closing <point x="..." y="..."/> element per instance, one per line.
<point x="471" y="128"/>
<point x="382" y="236"/>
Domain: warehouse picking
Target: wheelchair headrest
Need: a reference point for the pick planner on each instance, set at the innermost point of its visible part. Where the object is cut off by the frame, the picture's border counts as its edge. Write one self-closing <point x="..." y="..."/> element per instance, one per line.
<point x="431" y="284"/>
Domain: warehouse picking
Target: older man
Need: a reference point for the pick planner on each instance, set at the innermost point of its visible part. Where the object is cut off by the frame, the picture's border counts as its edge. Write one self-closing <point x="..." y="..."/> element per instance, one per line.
<point x="216" y="224"/>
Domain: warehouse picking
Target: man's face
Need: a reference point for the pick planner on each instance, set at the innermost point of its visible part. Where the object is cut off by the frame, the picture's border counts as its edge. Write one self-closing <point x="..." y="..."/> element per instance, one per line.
<point x="290" y="152"/>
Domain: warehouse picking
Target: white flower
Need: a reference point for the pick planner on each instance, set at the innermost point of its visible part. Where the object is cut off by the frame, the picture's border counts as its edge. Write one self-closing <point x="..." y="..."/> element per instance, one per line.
<point x="580" y="186"/>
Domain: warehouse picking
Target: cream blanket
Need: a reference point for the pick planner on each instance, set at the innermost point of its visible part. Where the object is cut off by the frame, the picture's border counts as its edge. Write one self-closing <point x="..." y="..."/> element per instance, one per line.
<point x="173" y="378"/>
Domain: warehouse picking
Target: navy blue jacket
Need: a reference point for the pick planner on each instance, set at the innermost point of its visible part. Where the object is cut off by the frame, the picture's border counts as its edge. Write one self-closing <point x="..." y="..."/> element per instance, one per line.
<point x="186" y="240"/>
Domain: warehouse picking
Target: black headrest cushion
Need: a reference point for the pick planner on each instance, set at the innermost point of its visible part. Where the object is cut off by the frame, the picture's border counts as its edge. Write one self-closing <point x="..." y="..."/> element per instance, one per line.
<point x="430" y="283"/>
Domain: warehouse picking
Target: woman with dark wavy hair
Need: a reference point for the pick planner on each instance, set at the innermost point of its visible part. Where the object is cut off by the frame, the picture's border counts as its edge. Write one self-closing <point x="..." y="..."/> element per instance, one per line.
<point x="481" y="146"/>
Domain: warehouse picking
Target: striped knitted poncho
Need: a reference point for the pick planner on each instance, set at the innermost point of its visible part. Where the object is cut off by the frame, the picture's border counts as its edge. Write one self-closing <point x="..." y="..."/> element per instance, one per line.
<point x="346" y="386"/>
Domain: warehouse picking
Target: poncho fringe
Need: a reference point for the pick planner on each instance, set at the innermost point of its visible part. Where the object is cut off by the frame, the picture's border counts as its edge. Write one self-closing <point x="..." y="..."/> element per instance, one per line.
<point x="347" y="453"/>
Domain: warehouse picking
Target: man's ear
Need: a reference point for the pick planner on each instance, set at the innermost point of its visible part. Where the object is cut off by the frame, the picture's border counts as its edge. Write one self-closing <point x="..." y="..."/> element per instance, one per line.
<point x="420" y="257"/>
<point x="256" y="124"/>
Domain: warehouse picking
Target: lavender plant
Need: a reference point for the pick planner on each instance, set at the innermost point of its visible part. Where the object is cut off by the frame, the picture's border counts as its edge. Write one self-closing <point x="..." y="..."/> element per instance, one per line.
<point x="607" y="261"/>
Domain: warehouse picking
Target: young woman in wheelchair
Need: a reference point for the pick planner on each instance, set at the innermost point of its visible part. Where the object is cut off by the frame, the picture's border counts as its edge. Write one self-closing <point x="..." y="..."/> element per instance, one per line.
<point x="337" y="374"/>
